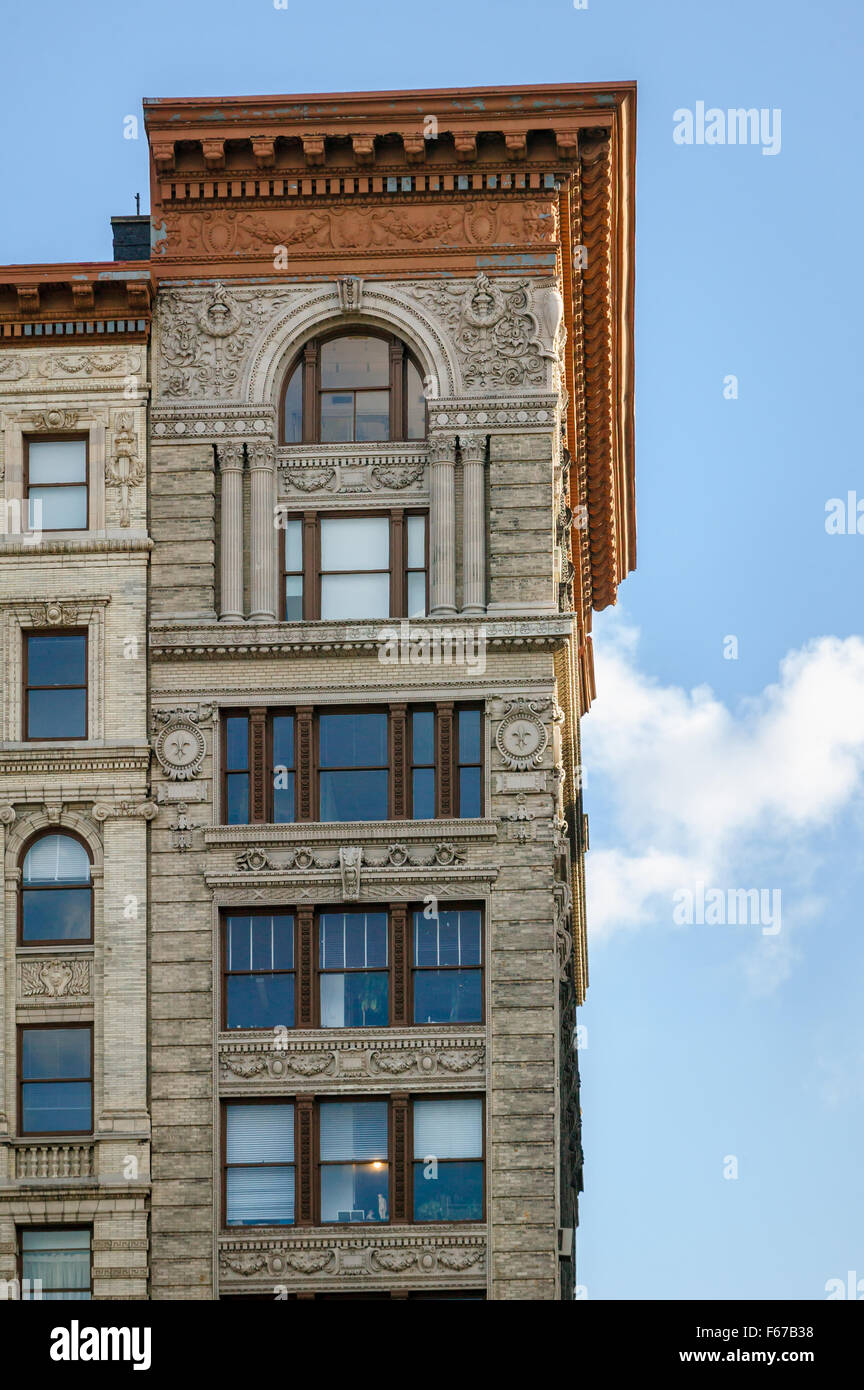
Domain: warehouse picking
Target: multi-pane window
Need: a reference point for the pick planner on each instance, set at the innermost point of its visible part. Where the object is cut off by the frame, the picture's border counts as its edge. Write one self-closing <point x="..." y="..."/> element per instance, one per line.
<point x="56" y="894"/>
<point x="55" y="685"/>
<point x="56" y="1079"/>
<point x="353" y="980"/>
<point x="354" y="1149"/>
<point x="339" y="568"/>
<point x="259" y="970"/>
<point x="56" y="483"/>
<point x="353" y="767"/>
<point x="55" y="1263"/>
<point x="259" y="1164"/>
<point x="353" y="1161"/>
<point x="355" y="764"/>
<point x="447" y="960"/>
<point x="354" y="387"/>
<point x="352" y="966"/>
<point x="448" y="1160"/>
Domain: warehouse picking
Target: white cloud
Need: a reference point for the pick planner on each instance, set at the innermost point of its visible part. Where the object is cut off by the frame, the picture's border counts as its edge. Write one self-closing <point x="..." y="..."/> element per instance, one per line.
<point x="700" y="792"/>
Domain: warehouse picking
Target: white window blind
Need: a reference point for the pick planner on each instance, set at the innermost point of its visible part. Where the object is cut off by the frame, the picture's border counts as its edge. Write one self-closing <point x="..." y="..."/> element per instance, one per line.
<point x="448" y="1128"/>
<point x="260" y="1134"/>
<point x="56" y="859"/>
<point x="353" y="1130"/>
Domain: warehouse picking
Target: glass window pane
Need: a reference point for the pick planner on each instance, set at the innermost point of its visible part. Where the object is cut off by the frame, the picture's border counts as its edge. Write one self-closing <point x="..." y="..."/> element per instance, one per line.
<point x="55" y="1052"/>
<point x="355" y="361"/>
<point x="294" y="545"/>
<point x="415" y="402"/>
<point x="260" y="1196"/>
<point x="469" y="736"/>
<point x="259" y="1133"/>
<point x="283" y="740"/>
<point x="57" y="714"/>
<point x="448" y="1128"/>
<point x="71" y="1238"/>
<point x="359" y="999"/>
<point x="470" y="792"/>
<point x="238" y="798"/>
<point x="354" y="1129"/>
<point x="415" y="529"/>
<point x="346" y="596"/>
<point x="353" y="740"/>
<point x="56" y="859"/>
<point x="59" y="508"/>
<point x="417" y="594"/>
<point x="57" y="461"/>
<point x="423" y="736"/>
<point x="283" y="799"/>
<point x="293" y="598"/>
<point x="354" y="796"/>
<point x="60" y="1260"/>
<point x="354" y="1192"/>
<point x="448" y="996"/>
<point x="448" y="1192"/>
<point x="423" y="793"/>
<point x="355" y="543"/>
<point x="451" y="938"/>
<point x="372" y="415"/>
<point x="60" y="915"/>
<point x="61" y="1107"/>
<point x="352" y="939"/>
<point x="337" y="418"/>
<point x="238" y="943"/>
<point x="237" y="741"/>
<point x="294" y="407"/>
<point x="260" y="1001"/>
<point x="56" y="660"/>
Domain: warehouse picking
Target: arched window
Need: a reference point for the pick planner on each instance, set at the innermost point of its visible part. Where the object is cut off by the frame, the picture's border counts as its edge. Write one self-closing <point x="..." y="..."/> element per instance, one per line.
<point x="353" y="387"/>
<point x="56" y="891"/>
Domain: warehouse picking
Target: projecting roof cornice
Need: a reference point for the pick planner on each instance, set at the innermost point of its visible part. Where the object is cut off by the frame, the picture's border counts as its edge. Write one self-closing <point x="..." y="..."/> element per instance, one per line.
<point x="84" y="299"/>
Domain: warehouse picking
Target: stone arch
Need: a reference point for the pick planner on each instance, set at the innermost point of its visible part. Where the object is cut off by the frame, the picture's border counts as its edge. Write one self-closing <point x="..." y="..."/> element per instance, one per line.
<point x="381" y="308"/>
<point x="39" y="822"/>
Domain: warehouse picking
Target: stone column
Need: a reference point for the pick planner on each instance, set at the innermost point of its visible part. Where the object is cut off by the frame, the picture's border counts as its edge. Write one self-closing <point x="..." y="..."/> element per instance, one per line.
<point x="231" y="534"/>
<point x="442" y="524"/>
<point x="263" y="567"/>
<point x="473" y="450"/>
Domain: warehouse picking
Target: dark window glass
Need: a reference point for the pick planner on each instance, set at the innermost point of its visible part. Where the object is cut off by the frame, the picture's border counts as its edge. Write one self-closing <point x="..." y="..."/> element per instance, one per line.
<point x="351" y="407"/>
<point x="55" y="891"/>
<point x="56" y="694"/>
<point x="283" y="768"/>
<point x="353" y="776"/>
<point x="448" y="1160"/>
<point x="259" y="971"/>
<point x="352" y="960"/>
<point x="293" y="574"/>
<point x="415" y="400"/>
<point x="57" y="484"/>
<point x="423" y="764"/>
<point x="470" y="763"/>
<point x="55" y="1264"/>
<point x="237" y="770"/>
<point x="56" y="1081"/>
<point x="259" y="1164"/>
<point x="448" y="975"/>
<point x="354" y="1161"/>
<point x="294" y="407"/>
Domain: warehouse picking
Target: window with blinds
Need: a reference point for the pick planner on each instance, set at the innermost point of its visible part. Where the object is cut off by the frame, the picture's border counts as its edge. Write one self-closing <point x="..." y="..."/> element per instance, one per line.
<point x="56" y="901"/>
<point x="354" y="1152"/>
<point x="259" y="1164"/>
<point x="448" y="1159"/>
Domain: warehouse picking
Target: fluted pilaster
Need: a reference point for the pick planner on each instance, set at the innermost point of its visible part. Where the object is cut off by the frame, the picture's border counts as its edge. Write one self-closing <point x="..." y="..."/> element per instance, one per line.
<point x="231" y="534"/>
<point x="263" y="554"/>
<point x="442" y="523"/>
<point x="473" y="450"/>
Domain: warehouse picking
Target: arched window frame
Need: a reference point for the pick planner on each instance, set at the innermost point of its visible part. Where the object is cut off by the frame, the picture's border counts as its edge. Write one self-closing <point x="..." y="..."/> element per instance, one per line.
<point x="44" y="833"/>
<point x="310" y="358"/>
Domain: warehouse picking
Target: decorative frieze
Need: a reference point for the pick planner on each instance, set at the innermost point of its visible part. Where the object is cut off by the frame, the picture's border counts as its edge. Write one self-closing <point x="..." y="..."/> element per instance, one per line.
<point x="42" y="979"/>
<point x="418" y="1258"/>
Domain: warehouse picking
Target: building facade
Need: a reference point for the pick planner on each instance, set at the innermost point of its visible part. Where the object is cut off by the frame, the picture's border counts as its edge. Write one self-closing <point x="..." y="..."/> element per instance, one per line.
<point x="320" y="545"/>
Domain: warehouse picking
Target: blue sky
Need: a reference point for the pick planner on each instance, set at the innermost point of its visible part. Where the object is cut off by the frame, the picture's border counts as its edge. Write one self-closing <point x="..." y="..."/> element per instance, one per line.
<point x="704" y="1042"/>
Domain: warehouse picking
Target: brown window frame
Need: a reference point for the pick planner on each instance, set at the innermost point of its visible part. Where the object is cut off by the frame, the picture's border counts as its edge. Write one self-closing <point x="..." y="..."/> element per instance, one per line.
<point x="312" y="573"/>
<point x="48" y="1227"/>
<point x="75" y="436"/>
<point x="40" y="1134"/>
<point x="26" y="634"/>
<point x="63" y="941"/>
<point x="224" y="1164"/>
<point x="309" y="359"/>
<point x="400" y="968"/>
<point x="307" y="770"/>
<point x="225" y="973"/>
<point x="308" y="1162"/>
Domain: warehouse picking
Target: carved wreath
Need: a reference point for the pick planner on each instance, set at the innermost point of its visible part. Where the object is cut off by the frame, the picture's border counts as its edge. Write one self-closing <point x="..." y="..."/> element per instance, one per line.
<point x="180" y="750"/>
<point x="522" y="737"/>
